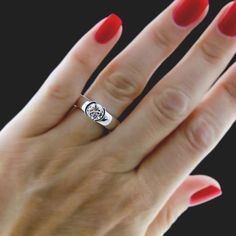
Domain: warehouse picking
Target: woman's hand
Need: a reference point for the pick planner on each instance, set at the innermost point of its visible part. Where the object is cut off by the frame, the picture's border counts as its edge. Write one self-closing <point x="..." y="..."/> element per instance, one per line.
<point x="62" y="174"/>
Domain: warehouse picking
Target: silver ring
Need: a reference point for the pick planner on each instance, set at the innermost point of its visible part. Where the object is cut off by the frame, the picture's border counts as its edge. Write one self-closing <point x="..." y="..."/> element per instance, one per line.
<point x="97" y="113"/>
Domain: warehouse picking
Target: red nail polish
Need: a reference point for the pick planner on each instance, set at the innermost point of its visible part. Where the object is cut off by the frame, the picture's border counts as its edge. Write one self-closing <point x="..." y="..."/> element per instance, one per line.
<point x="205" y="195"/>
<point x="108" y="29"/>
<point x="227" y="24"/>
<point x="188" y="11"/>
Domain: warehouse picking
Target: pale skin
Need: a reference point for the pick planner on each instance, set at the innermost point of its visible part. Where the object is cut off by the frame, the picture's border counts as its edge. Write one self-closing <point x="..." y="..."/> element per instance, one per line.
<point x="62" y="174"/>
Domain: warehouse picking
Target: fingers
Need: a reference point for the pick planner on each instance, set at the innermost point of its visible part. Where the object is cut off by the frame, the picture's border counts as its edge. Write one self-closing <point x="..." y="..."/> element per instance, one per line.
<point x="194" y="191"/>
<point x="174" y="98"/>
<point x="126" y="76"/>
<point x="182" y="151"/>
<point x="62" y="88"/>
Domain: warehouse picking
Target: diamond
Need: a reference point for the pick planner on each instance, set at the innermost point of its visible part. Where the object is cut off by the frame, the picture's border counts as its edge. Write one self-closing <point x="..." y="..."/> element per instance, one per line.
<point x="95" y="111"/>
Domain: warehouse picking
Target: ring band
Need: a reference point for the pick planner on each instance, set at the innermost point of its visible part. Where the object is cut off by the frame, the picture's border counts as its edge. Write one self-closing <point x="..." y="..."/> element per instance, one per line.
<point x="97" y="113"/>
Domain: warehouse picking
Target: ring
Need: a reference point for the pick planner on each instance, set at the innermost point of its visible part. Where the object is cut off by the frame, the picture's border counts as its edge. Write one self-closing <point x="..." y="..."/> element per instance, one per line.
<point x="97" y="113"/>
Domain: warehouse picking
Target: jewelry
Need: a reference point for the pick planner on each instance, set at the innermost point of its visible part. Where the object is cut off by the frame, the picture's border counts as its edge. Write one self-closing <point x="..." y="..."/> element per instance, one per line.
<point x="97" y="113"/>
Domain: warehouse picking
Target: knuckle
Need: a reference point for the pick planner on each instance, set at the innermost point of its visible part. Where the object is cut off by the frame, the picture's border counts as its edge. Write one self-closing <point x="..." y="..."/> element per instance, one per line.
<point x="171" y="105"/>
<point x="82" y="60"/>
<point x="163" y="39"/>
<point x="230" y="89"/>
<point x="123" y="85"/>
<point x="199" y="134"/>
<point x="168" y="216"/>
<point x="211" y="51"/>
<point x="57" y="91"/>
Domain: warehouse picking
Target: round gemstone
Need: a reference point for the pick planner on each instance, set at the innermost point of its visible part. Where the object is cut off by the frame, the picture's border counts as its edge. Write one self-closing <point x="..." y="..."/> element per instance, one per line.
<point x="95" y="111"/>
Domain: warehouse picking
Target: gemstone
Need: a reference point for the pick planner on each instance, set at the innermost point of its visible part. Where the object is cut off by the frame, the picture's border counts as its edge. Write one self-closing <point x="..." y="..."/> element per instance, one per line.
<point x="95" y="111"/>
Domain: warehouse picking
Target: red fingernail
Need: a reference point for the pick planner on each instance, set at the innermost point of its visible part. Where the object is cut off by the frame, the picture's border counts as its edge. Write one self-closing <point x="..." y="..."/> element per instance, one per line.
<point x="205" y="195"/>
<point x="188" y="11"/>
<point x="227" y="24"/>
<point x="108" y="29"/>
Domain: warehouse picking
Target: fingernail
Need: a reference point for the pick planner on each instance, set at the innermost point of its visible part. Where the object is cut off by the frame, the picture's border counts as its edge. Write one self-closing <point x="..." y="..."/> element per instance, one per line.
<point x="227" y="24"/>
<point x="108" y="29"/>
<point x="205" y="195"/>
<point x="188" y="11"/>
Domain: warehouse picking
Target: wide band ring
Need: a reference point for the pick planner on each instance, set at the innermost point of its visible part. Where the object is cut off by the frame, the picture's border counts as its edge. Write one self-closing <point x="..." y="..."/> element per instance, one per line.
<point x="97" y="113"/>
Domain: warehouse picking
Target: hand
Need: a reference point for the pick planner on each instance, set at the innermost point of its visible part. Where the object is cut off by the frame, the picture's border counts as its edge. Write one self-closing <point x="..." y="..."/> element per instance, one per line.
<point x="63" y="174"/>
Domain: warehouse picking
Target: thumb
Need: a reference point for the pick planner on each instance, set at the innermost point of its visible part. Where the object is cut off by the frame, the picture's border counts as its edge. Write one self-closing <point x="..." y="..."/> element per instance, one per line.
<point x="194" y="191"/>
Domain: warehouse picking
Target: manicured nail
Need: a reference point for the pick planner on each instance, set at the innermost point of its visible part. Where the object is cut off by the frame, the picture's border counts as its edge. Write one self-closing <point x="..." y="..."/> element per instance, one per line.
<point x="108" y="29"/>
<point x="188" y="11"/>
<point x="205" y="195"/>
<point x="227" y="24"/>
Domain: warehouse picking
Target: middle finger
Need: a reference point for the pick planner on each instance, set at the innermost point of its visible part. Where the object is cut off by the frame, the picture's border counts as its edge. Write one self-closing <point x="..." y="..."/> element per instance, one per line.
<point x="175" y="97"/>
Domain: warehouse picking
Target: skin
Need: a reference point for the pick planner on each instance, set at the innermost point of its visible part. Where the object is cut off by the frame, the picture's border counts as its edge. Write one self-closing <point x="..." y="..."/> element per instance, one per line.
<point x="63" y="174"/>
